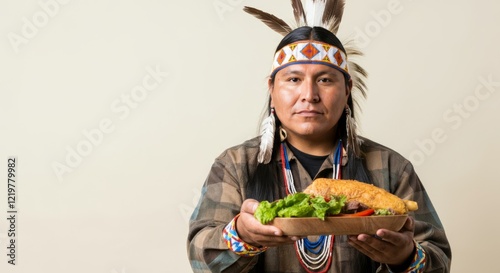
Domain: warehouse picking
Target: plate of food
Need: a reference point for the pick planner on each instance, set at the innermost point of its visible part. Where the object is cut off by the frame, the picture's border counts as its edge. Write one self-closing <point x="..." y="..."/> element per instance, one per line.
<point x="338" y="225"/>
<point x="339" y="207"/>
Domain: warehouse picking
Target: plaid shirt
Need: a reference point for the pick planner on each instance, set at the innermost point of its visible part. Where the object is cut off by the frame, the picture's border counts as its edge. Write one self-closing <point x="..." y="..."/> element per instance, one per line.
<point x="224" y="191"/>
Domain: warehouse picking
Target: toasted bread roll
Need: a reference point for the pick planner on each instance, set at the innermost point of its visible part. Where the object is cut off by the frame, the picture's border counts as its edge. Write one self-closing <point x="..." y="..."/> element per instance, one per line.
<point x="370" y="195"/>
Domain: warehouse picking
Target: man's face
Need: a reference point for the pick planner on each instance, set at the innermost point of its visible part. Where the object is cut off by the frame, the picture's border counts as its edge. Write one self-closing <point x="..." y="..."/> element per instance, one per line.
<point x="309" y="100"/>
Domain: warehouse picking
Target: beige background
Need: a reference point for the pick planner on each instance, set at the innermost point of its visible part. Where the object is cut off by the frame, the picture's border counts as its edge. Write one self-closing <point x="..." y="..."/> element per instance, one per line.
<point x="121" y="205"/>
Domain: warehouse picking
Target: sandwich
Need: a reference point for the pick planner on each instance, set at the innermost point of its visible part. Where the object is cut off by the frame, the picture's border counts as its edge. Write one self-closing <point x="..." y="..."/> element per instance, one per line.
<point x="360" y="196"/>
<point x="333" y="197"/>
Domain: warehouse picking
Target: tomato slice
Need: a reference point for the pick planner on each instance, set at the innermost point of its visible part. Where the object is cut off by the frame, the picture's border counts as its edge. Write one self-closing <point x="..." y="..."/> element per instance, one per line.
<point x="366" y="212"/>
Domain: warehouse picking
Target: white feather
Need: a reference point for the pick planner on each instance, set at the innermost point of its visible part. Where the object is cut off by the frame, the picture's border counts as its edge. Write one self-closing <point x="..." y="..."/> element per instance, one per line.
<point x="314" y="12"/>
<point x="266" y="139"/>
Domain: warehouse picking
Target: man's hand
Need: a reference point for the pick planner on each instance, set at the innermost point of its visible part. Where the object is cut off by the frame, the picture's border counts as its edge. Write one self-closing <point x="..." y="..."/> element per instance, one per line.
<point x="395" y="249"/>
<point x="251" y="231"/>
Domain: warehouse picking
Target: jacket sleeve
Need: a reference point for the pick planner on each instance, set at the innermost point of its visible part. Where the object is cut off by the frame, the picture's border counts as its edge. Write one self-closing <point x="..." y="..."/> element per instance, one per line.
<point x="221" y="199"/>
<point x="429" y="231"/>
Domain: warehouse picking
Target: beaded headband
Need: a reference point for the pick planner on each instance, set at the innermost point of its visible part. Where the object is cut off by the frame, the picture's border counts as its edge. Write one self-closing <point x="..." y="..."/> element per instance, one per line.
<point x="312" y="52"/>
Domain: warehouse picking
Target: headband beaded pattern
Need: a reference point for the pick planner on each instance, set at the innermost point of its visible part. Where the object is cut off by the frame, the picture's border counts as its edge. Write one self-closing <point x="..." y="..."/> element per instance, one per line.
<point x="313" y="52"/>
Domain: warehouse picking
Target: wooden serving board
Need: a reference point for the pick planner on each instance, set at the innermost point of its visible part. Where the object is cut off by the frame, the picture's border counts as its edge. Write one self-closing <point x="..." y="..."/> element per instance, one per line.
<point x="338" y="225"/>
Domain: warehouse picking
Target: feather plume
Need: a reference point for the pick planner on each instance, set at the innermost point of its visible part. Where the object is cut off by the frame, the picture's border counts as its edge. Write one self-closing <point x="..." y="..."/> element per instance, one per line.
<point x="267" y="139"/>
<point x="353" y="141"/>
<point x="299" y="13"/>
<point x="332" y="15"/>
<point x="358" y="73"/>
<point x="270" y="20"/>
<point x="358" y="77"/>
<point x="314" y="12"/>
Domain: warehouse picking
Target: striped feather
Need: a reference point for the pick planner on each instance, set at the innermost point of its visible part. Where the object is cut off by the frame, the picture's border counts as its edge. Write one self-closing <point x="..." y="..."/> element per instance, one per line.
<point x="270" y="20"/>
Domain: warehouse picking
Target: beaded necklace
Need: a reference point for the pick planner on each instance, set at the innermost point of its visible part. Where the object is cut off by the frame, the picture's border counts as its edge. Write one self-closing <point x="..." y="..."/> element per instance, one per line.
<point x="323" y="247"/>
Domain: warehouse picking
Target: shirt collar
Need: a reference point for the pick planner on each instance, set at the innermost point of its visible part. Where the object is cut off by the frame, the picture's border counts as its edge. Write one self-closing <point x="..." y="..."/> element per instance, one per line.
<point x="327" y="164"/>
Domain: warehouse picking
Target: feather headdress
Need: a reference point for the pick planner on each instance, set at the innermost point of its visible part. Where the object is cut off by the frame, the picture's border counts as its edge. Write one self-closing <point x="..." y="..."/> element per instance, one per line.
<point x="318" y="13"/>
<point x="328" y="15"/>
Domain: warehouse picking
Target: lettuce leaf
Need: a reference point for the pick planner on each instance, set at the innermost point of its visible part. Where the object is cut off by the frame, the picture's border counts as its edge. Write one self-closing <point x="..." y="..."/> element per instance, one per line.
<point x="383" y="212"/>
<point x="299" y="205"/>
<point x="267" y="211"/>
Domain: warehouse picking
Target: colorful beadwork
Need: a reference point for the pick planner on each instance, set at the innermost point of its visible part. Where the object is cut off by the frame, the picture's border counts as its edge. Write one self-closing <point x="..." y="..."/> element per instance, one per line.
<point x="310" y="52"/>
<point x="418" y="263"/>
<point x="322" y="249"/>
<point x="235" y="243"/>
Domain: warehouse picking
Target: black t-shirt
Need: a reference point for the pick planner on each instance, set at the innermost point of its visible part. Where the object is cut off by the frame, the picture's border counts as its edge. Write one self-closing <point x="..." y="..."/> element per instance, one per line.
<point x="311" y="163"/>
